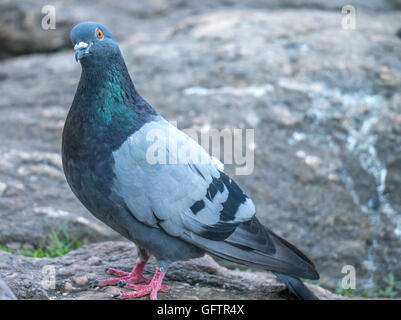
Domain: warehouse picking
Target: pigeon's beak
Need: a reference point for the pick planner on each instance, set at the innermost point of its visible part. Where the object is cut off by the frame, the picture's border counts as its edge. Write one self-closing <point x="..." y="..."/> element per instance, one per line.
<point x="81" y="50"/>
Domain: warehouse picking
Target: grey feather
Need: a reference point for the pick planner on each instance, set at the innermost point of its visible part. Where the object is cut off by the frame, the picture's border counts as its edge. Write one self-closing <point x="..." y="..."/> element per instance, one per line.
<point x="174" y="195"/>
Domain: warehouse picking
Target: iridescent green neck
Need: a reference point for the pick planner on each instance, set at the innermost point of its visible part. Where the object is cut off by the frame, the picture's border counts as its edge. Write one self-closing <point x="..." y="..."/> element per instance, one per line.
<point x="107" y="90"/>
<point x="107" y="105"/>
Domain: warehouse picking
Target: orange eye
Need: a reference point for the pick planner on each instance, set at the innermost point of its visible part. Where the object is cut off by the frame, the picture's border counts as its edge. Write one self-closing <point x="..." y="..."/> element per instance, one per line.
<point x="99" y="34"/>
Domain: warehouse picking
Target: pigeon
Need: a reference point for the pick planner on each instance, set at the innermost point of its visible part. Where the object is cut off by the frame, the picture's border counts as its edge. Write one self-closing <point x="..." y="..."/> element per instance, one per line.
<point x="153" y="184"/>
<point x="398" y="33"/>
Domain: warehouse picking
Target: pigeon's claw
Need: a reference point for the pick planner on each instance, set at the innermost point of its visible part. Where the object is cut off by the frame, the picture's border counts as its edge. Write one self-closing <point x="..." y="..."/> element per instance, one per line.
<point x="121" y="284"/>
<point x="106" y="282"/>
<point x="139" y="287"/>
<point x="118" y="273"/>
<point x="150" y="289"/>
<point x="135" y="276"/>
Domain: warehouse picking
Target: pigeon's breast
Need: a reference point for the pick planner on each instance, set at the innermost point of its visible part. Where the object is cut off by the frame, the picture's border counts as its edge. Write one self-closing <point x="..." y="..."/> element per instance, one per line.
<point x="87" y="162"/>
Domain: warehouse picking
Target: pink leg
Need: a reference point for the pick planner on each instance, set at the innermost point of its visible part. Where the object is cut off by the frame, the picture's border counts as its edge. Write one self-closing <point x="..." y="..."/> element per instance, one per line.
<point x="148" y="289"/>
<point x="135" y="276"/>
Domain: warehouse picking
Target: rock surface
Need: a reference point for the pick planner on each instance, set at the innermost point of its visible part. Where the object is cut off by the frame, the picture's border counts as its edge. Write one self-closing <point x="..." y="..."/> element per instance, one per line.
<point x="324" y="103"/>
<point x="202" y="278"/>
<point x="5" y="292"/>
<point x="21" y="28"/>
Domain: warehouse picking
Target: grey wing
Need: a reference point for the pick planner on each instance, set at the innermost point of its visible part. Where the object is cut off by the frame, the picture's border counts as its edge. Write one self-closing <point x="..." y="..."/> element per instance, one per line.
<point x="190" y="197"/>
<point x="168" y="180"/>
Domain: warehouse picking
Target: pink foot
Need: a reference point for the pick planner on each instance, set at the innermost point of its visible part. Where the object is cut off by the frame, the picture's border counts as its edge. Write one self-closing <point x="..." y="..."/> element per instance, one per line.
<point x="135" y="276"/>
<point x="148" y="289"/>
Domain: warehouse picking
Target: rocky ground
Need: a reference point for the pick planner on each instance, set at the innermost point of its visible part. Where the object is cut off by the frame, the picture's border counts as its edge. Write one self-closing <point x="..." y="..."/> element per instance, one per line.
<point x="66" y="277"/>
<point x="324" y="102"/>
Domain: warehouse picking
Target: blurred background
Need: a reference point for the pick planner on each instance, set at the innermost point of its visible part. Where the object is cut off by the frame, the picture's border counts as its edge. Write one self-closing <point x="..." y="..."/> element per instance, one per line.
<point x="324" y="100"/>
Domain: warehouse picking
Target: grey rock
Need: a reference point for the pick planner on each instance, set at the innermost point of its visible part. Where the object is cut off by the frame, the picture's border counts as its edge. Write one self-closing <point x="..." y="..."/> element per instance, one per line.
<point x="21" y="30"/>
<point x="5" y="292"/>
<point x="200" y="278"/>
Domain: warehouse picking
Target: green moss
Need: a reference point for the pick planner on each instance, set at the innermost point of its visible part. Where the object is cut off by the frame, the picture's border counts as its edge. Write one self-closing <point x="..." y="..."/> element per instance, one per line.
<point x="56" y="247"/>
<point x="5" y="249"/>
<point x="391" y="290"/>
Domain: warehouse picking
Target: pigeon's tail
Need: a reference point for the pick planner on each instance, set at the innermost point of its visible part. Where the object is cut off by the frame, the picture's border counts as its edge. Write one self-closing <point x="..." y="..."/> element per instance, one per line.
<point x="297" y="287"/>
<point x="254" y="245"/>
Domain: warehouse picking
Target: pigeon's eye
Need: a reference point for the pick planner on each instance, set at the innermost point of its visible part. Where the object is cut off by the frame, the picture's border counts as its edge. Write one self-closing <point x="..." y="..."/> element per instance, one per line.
<point x="99" y="34"/>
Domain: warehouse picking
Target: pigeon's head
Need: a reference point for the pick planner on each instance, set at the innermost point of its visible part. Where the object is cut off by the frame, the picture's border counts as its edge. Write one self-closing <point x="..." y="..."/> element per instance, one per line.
<point x="93" y="43"/>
